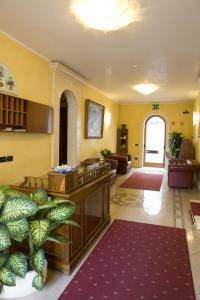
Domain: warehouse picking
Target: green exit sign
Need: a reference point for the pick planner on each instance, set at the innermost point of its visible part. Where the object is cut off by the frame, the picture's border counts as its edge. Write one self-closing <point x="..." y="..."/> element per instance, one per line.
<point x="155" y="106"/>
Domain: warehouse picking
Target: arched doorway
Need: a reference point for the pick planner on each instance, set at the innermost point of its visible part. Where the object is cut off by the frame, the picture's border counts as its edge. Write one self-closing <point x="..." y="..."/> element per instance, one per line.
<point x="68" y="129"/>
<point x="154" y="142"/>
<point x="63" y="130"/>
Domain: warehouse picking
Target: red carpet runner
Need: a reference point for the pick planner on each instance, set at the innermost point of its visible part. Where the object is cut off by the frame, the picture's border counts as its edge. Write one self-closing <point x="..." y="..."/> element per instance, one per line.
<point x="143" y="181"/>
<point x="135" y="261"/>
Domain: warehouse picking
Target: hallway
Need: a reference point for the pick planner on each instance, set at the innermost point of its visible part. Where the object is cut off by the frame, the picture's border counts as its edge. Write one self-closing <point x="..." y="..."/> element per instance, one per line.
<point x="167" y="207"/>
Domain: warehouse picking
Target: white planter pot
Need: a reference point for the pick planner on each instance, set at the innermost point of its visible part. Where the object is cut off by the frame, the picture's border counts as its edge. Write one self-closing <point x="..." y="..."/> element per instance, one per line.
<point x="23" y="286"/>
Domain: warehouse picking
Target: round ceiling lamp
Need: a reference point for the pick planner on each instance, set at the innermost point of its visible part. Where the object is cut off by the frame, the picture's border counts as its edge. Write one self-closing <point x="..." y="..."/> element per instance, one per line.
<point x="105" y="15"/>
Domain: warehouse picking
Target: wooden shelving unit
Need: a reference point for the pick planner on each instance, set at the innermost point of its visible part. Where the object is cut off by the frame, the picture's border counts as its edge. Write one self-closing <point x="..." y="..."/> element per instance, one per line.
<point x="122" y="141"/>
<point x="17" y="114"/>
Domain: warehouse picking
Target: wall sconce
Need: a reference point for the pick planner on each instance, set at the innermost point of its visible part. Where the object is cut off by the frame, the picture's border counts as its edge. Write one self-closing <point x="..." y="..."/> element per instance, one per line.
<point x="185" y="112"/>
<point x="107" y="119"/>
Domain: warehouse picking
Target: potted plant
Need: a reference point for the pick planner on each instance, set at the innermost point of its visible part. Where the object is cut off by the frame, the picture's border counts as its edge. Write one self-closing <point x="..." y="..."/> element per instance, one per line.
<point x="30" y="219"/>
<point x="105" y="153"/>
<point x="175" y="140"/>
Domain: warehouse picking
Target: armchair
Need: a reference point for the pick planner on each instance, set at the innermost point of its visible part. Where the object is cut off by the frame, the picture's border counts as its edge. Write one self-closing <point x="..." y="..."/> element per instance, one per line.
<point x="124" y="162"/>
<point x="181" y="173"/>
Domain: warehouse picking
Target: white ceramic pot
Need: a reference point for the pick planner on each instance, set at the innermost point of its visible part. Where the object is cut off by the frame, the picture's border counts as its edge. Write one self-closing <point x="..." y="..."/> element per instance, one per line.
<point x="23" y="286"/>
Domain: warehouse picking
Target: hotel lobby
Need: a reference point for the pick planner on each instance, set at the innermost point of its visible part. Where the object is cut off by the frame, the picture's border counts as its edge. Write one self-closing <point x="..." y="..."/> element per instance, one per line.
<point x="77" y="79"/>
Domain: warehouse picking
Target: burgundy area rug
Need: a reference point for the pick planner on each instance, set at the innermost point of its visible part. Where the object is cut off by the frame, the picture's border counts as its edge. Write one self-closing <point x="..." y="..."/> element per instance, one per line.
<point x="135" y="261"/>
<point x="143" y="181"/>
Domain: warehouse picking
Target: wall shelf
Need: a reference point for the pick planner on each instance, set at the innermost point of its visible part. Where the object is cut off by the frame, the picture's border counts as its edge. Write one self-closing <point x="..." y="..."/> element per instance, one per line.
<point x="21" y="115"/>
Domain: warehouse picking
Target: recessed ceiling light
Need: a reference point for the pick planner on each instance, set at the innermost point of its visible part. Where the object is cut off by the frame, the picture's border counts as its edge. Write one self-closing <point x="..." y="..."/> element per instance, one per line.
<point x="105" y="15"/>
<point x="146" y="88"/>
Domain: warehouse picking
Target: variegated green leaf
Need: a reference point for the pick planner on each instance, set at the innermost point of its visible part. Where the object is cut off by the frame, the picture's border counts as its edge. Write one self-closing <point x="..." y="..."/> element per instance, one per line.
<point x="3" y="197"/>
<point x="48" y="204"/>
<point x="39" y="231"/>
<point x="59" y="201"/>
<point x="60" y="213"/>
<point x="3" y="259"/>
<point x="40" y="196"/>
<point x="7" y="277"/>
<point x="20" y="236"/>
<point x="38" y="282"/>
<point x="59" y="239"/>
<point x="38" y="261"/>
<point x="14" y="193"/>
<point x="71" y="223"/>
<point x="17" y="208"/>
<point x="4" y="237"/>
<point x="17" y="227"/>
<point x="17" y="263"/>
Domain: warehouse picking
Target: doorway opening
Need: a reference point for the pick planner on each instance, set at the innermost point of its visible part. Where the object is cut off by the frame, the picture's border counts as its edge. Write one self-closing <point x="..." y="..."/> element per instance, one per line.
<point x="154" y="142"/>
<point x="63" y="126"/>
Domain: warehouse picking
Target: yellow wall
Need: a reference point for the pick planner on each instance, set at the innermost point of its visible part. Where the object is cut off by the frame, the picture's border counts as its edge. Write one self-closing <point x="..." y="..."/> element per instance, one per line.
<point x="134" y="115"/>
<point x="32" y="152"/>
<point x="92" y="147"/>
<point x="197" y="127"/>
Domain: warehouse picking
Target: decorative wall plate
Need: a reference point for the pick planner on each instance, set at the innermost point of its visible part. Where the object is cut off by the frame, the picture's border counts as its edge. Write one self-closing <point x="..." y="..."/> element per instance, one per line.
<point x="7" y="81"/>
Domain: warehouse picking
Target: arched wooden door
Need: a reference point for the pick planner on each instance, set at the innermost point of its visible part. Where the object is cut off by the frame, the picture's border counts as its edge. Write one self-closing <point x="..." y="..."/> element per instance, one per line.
<point x="154" y="142"/>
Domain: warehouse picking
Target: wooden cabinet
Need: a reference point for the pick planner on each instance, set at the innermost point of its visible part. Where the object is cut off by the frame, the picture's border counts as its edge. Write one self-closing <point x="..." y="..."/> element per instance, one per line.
<point x="122" y="141"/>
<point x="21" y="115"/>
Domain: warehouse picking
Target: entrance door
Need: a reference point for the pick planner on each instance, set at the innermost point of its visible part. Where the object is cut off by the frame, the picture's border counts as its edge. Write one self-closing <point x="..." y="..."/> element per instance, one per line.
<point x="63" y="130"/>
<point x="154" y="142"/>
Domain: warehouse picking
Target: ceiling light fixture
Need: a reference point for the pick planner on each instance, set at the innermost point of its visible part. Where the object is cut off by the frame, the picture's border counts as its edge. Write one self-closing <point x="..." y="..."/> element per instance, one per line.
<point x="146" y="88"/>
<point x="105" y="15"/>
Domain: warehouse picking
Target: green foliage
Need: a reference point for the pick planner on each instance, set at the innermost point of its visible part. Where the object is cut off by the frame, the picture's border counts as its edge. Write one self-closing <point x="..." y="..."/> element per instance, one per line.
<point x="17" y="263"/>
<point x="17" y="227"/>
<point x="17" y="208"/>
<point x="2" y="197"/>
<point x="105" y="153"/>
<point x="35" y="218"/>
<point x="3" y="259"/>
<point x="7" y="277"/>
<point x="175" y="139"/>
<point x="38" y="282"/>
<point x="4" y="237"/>
<point x="60" y="213"/>
<point x="39" y="231"/>
<point x="38" y="261"/>
<point x="40" y="196"/>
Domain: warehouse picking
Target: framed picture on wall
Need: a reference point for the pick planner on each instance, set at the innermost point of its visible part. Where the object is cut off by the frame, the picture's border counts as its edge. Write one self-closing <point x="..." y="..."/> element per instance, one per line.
<point x="94" y="119"/>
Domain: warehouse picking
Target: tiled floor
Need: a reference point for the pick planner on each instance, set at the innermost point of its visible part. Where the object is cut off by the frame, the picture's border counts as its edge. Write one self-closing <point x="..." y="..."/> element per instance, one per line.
<point x="166" y="207"/>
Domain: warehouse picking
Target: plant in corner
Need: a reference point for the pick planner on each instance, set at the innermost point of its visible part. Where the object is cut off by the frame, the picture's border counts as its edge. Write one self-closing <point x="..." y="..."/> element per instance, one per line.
<point x="175" y="140"/>
<point x="105" y="153"/>
<point x="30" y="219"/>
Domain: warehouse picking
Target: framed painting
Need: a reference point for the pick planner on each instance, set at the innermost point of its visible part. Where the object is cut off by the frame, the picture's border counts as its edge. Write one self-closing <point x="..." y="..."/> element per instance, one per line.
<point x="94" y="120"/>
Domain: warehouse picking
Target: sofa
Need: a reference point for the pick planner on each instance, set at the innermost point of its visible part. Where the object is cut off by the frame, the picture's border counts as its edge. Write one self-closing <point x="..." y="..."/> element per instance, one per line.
<point x="181" y="173"/>
<point x="124" y="162"/>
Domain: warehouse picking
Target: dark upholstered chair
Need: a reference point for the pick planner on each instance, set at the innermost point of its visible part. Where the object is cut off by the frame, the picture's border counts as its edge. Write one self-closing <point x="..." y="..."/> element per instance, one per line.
<point x="187" y="149"/>
<point x="113" y="168"/>
<point x="124" y="162"/>
<point x="181" y="173"/>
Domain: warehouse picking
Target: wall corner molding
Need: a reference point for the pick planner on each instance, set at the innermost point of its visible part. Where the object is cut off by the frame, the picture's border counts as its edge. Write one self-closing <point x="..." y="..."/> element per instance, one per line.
<point x="56" y="66"/>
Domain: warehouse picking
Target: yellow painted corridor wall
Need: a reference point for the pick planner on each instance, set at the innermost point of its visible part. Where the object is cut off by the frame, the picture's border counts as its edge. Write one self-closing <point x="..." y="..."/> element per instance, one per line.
<point x="134" y="115"/>
<point x="31" y="152"/>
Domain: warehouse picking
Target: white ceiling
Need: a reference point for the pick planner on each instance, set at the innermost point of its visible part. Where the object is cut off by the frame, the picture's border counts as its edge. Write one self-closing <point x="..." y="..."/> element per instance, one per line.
<point x="163" y="47"/>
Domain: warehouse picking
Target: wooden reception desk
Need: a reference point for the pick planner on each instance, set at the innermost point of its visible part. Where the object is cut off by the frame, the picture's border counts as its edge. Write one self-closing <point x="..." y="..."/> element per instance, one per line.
<point x="92" y="200"/>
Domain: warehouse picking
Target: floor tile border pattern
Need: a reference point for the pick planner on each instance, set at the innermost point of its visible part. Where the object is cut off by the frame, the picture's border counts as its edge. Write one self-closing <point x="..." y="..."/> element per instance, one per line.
<point x="178" y="215"/>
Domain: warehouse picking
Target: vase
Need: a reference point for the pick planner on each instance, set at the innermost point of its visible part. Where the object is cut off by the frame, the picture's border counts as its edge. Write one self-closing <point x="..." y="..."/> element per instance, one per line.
<point x="23" y="286"/>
